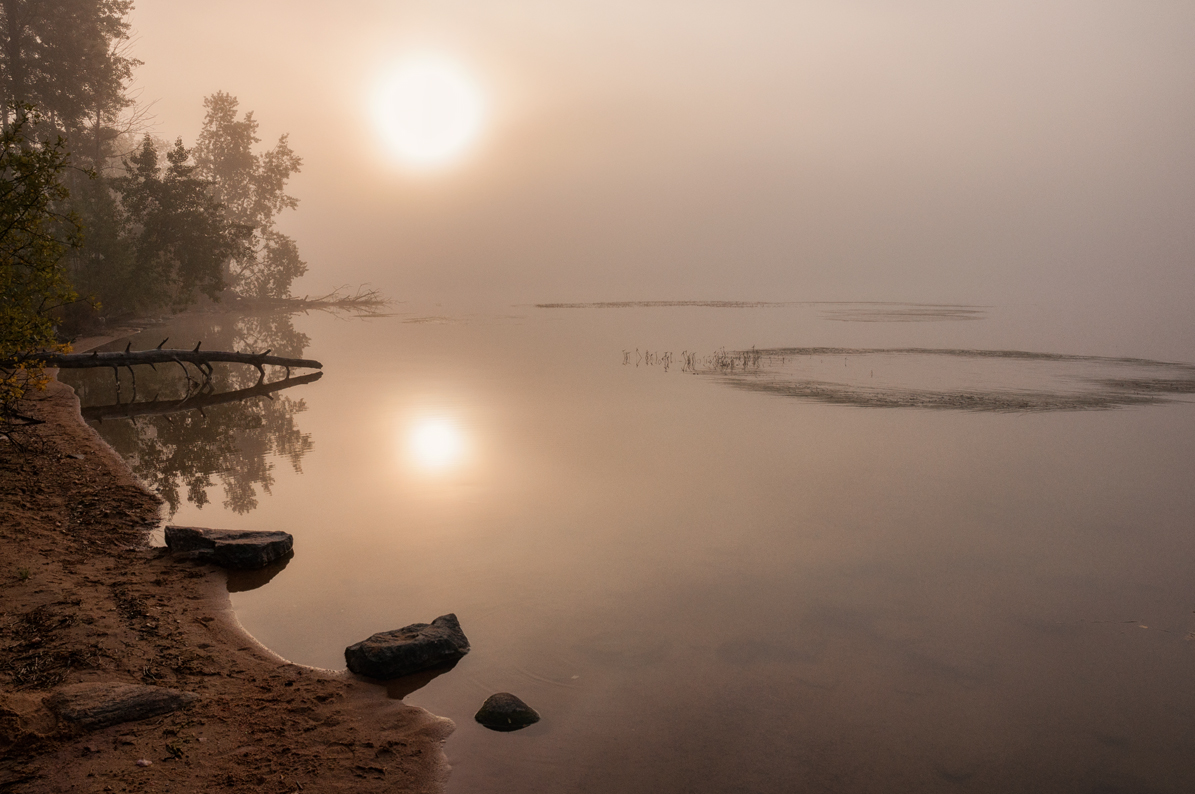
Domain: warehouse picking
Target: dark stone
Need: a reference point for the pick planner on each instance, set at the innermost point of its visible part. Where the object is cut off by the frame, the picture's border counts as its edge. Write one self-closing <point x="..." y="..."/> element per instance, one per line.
<point x="392" y="654"/>
<point x="98" y="705"/>
<point x="230" y="548"/>
<point x="505" y="712"/>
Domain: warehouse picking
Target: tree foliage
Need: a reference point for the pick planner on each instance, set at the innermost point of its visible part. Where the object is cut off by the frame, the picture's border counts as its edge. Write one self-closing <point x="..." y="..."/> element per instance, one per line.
<point x="252" y="188"/>
<point x="181" y="234"/>
<point x="163" y="234"/>
<point x="161" y="229"/>
<point x="68" y="57"/>
<point x="35" y="234"/>
<point x="162" y="239"/>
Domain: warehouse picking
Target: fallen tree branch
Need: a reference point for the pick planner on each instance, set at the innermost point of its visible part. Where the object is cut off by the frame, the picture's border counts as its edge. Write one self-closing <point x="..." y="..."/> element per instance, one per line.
<point x="162" y="407"/>
<point x="203" y="360"/>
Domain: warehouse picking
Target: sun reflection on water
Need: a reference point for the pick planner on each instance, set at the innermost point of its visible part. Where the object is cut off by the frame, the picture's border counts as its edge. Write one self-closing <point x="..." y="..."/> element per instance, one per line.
<point x="436" y="444"/>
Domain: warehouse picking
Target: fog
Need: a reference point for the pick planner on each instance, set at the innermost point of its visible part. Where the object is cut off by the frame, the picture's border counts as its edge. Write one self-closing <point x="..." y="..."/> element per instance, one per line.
<point x="1004" y="153"/>
<point x="722" y="537"/>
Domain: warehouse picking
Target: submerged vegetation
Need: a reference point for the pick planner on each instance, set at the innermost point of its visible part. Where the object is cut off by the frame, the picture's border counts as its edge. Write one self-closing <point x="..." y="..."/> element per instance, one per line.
<point x="994" y="380"/>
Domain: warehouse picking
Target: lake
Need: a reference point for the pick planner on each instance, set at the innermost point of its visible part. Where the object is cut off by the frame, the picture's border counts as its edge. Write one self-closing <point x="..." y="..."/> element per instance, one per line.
<point x="725" y="547"/>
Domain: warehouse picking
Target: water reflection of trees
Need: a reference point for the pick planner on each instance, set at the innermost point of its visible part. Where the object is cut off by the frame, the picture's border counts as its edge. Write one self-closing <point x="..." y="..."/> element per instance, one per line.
<point x="231" y="444"/>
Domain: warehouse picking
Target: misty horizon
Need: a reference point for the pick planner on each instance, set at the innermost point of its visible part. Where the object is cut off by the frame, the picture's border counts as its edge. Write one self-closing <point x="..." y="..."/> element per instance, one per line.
<point x="1026" y="153"/>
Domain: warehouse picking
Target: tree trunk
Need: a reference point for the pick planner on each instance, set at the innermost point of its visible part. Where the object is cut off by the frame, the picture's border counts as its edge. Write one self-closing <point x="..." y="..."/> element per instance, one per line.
<point x="159" y="356"/>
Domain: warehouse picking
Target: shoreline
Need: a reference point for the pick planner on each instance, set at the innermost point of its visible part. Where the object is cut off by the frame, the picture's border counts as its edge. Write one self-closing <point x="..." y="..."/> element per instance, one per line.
<point x="85" y="599"/>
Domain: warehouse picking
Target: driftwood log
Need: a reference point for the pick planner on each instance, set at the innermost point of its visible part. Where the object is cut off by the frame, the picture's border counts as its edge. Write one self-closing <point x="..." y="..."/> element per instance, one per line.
<point x="128" y="358"/>
<point x="95" y="705"/>
<point x="194" y="402"/>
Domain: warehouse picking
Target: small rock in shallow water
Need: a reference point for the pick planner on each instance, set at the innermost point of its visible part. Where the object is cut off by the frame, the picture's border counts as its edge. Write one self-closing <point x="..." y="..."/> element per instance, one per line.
<point x="393" y="654"/>
<point x="231" y="548"/>
<point x="505" y="712"/>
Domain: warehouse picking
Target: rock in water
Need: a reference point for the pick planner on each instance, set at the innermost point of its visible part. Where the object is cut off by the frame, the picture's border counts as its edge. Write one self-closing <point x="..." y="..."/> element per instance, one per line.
<point x="230" y="548"/>
<point x="98" y="705"/>
<point x="505" y="712"/>
<point x="392" y="654"/>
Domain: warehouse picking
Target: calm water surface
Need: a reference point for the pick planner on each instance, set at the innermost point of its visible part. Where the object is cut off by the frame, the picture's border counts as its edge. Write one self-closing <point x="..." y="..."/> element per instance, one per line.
<point x="708" y="587"/>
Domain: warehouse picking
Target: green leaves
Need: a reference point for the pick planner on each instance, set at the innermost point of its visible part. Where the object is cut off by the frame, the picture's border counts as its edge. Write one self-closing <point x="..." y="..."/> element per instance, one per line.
<point x="35" y="234"/>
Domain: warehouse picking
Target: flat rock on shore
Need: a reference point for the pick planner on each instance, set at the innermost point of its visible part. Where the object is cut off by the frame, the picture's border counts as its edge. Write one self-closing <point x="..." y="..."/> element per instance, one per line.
<point x="98" y="705"/>
<point x="231" y="548"/>
<point x="393" y="654"/>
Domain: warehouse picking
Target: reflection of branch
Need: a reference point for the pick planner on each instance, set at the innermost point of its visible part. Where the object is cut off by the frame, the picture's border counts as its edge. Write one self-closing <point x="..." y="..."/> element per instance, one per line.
<point x="162" y="407"/>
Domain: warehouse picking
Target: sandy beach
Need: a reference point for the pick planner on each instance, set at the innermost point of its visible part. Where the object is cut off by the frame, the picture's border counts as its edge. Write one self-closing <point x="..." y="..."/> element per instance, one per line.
<point x="86" y="599"/>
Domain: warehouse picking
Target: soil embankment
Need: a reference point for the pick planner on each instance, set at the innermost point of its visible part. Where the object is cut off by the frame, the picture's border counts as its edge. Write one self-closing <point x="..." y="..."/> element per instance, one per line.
<point x="84" y="599"/>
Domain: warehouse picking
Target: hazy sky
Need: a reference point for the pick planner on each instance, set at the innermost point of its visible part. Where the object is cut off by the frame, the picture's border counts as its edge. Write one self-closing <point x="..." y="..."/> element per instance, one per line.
<point x="649" y="149"/>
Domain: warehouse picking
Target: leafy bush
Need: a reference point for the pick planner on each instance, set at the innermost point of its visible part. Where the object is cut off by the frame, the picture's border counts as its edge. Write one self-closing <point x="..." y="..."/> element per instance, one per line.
<point x="36" y="231"/>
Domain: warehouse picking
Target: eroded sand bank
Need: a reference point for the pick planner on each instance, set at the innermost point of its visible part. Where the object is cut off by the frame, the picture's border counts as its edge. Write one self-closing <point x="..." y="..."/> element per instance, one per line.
<point x="83" y="599"/>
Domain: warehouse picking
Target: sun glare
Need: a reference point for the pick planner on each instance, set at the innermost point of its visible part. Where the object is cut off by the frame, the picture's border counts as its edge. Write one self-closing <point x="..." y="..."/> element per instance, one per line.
<point x="436" y="444"/>
<point x="430" y="111"/>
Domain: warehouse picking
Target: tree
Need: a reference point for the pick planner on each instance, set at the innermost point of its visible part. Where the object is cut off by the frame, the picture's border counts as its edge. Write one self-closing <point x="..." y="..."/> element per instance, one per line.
<point x="176" y="235"/>
<point x="252" y="188"/>
<point x="102" y="268"/>
<point x="35" y="234"/>
<point x="69" y="58"/>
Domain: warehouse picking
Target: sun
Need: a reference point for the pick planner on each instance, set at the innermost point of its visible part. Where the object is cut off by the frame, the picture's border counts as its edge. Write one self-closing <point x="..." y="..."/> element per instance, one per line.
<point x="430" y="111"/>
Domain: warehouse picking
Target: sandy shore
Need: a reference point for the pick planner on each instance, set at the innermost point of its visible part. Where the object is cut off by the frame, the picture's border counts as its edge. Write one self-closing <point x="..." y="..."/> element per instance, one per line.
<point x="84" y="599"/>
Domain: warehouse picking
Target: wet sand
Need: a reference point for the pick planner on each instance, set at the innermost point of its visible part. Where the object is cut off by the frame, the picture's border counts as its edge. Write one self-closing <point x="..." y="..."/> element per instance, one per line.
<point x="85" y="599"/>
